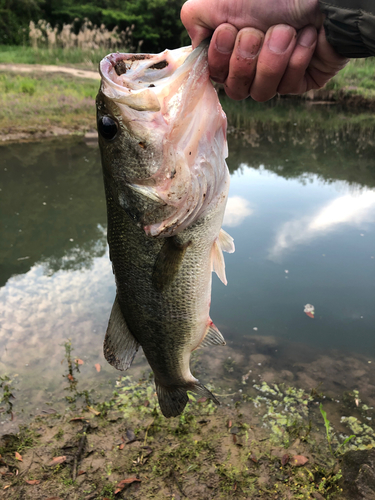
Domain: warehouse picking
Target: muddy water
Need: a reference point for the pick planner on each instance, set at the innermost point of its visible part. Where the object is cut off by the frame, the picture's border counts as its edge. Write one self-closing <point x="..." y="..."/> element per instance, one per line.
<point x="302" y="213"/>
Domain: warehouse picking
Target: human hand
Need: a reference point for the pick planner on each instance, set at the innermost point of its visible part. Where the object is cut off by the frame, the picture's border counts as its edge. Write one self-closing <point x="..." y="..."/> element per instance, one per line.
<point x="250" y="62"/>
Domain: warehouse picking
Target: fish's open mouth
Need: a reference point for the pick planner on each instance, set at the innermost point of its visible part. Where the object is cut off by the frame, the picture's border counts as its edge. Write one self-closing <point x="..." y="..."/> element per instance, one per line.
<point x="140" y="71"/>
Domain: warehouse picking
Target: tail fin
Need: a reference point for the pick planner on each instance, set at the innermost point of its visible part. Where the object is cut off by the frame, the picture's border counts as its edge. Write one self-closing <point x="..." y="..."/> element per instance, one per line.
<point x="172" y="400"/>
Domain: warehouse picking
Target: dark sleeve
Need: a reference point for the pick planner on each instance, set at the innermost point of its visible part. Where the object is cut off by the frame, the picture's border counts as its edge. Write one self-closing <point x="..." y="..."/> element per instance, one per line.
<point x="350" y="26"/>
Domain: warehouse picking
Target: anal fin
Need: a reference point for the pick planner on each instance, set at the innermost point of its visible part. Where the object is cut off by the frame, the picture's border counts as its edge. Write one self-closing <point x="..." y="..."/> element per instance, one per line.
<point x="212" y="336"/>
<point x="120" y="347"/>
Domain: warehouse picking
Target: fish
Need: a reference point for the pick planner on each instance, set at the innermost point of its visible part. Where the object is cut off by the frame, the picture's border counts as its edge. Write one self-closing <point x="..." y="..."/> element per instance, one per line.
<point x="162" y="137"/>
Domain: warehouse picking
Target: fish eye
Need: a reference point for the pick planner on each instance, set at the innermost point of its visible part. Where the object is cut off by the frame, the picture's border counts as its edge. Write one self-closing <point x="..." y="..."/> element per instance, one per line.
<point x="107" y="127"/>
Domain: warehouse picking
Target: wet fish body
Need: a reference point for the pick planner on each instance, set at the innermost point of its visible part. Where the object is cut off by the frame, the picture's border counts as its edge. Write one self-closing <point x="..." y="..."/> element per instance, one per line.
<point x="162" y="135"/>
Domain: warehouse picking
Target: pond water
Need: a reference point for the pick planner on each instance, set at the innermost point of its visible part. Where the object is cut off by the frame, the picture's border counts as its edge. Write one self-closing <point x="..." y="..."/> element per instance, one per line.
<point x="302" y="213"/>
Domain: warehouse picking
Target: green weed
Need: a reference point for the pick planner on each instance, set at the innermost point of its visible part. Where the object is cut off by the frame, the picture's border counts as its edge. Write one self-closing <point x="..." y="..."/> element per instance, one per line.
<point x="330" y="435"/>
<point x="7" y="394"/>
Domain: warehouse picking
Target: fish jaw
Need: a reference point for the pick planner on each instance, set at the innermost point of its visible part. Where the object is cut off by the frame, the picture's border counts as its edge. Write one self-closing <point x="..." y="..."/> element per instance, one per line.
<point x="172" y="131"/>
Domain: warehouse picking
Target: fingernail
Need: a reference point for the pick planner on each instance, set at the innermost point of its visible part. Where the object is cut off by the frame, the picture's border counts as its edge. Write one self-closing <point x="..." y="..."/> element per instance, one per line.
<point x="225" y="41"/>
<point x="280" y="39"/>
<point x="249" y="44"/>
<point x="307" y="38"/>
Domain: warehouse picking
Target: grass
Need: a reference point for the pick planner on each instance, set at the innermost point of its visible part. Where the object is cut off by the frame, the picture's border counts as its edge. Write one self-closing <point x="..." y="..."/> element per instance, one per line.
<point x="358" y="77"/>
<point x="83" y="58"/>
<point x="39" y="102"/>
<point x="42" y="101"/>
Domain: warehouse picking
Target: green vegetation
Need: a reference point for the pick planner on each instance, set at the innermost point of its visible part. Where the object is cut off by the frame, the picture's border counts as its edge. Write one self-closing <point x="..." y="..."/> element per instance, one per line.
<point x="221" y="452"/>
<point x="356" y="78"/>
<point x="267" y="443"/>
<point x="75" y="57"/>
<point x="43" y="101"/>
<point x="7" y="394"/>
<point x="15" y="16"/>
<point x="156" y="22"/>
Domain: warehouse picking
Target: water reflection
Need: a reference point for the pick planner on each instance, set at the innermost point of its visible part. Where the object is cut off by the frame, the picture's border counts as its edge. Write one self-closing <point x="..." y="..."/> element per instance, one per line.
<point x="237" y="209"/>
<point x="300" y="206"/>
<point x="51" y="204"/>
<point x="352" y="209"/>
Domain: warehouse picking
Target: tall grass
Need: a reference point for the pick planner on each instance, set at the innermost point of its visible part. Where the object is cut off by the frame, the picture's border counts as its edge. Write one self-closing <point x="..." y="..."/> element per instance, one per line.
<point x="84" y="46"/>
<point x="88" y="37"/>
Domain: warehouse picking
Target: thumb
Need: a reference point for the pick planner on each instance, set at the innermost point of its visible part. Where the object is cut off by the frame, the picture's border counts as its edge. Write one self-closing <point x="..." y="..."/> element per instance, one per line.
<point x="194" y="24"/>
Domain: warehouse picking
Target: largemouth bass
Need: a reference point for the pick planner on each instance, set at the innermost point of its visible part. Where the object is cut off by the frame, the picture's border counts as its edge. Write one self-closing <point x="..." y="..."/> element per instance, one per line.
<point x="162" y="136"/>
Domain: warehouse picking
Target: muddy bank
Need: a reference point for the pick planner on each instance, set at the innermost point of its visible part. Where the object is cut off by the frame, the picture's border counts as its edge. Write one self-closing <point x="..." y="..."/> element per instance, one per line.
<point x="36" y="134"/>
<point x="267" y="440"/>
<point x="126" y="449"/>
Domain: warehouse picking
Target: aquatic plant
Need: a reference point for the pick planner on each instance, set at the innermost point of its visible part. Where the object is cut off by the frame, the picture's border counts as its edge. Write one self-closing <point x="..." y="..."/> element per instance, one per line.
<point x="287" y="409"/>
<point x="7" y="396"/>
<point x="330" y="435"/>
<point x="71" y="376"/>
<point x="363" y="437"/>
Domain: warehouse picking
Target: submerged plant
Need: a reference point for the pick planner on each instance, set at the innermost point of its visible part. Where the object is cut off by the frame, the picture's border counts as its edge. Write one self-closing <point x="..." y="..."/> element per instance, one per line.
<point x="330" y="436"/>
<point x="287" y="409"/>
<point x="327" y="427"/>
<point x="71" y="376"/>
<point x="7" y="396"/>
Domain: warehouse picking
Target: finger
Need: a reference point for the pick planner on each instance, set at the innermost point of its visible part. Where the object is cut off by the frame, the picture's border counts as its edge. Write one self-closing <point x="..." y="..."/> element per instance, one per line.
<point x="220" y="51"/>
<point x="195" y="22"/>
<point x="325" y="63"/>
<point x="294" y="80"/>
<point x="273" y="59"/>
<point x="243" y="62"/>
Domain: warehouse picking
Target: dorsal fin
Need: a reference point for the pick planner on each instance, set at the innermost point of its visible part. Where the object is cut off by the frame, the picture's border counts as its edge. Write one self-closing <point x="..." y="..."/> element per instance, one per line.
<point x="120" y="346"/>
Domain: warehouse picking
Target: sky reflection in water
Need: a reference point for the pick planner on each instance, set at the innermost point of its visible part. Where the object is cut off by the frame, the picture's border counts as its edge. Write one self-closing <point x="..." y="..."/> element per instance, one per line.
<point x="303" y="238"/>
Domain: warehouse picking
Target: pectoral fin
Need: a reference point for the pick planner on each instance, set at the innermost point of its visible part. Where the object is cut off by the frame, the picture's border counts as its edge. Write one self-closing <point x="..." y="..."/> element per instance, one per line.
<point x="222" y="242"/>
<point x="226" y="242"/>
<point x="168" y="262"/>
<point x="120" y="346"/>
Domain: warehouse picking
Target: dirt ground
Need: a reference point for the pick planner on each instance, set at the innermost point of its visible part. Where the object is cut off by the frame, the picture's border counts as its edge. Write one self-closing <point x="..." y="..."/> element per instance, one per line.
<point x="129" y="450"/>
<point x="267" y="440"/>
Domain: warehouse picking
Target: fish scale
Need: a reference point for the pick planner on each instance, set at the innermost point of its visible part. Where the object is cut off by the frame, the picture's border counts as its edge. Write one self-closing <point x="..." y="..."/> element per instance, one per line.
<point x="164" y="227"/>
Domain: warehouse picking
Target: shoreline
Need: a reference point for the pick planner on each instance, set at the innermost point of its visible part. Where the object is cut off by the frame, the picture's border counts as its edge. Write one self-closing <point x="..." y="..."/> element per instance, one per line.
<point x="267" y="440"/>
<point x="41" y="114"/>
<point x="354" y="103"/>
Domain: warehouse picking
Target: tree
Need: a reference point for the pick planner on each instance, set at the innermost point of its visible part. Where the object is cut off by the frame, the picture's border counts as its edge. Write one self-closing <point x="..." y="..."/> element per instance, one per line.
<point x="156" y="22"/>
<point x="15" y="16"/>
